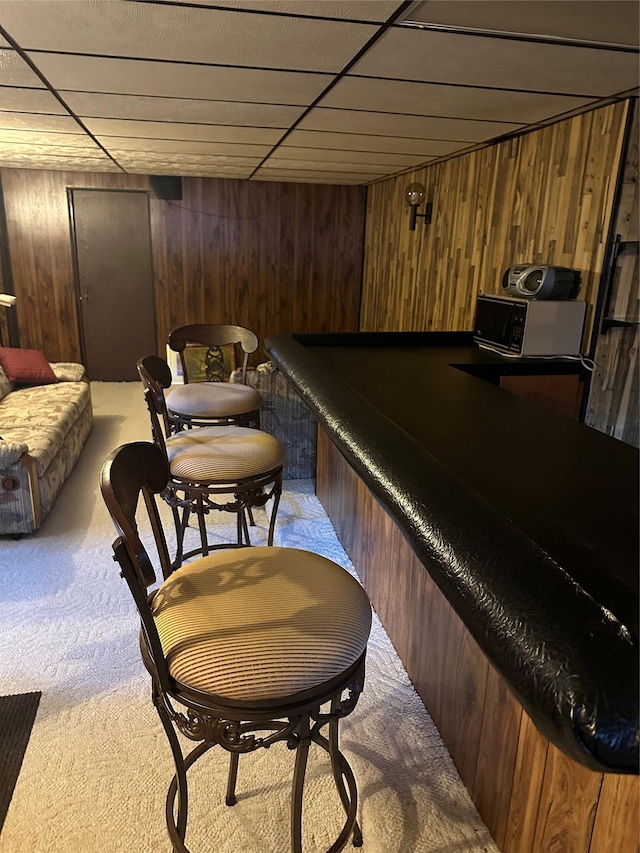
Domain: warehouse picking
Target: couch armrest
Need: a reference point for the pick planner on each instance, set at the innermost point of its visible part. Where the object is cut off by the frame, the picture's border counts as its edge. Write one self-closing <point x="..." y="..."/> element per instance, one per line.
<point x="67" y="371"/>
<point x="11" y="451"/>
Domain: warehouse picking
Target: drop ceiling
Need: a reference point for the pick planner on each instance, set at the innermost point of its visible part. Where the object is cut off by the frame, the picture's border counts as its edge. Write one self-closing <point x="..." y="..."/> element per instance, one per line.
<point x="327" y="91"/>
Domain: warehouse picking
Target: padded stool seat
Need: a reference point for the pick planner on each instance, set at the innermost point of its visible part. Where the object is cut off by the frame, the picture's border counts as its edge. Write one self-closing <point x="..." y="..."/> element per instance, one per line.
<point x="212" y="400"/>
<point x="260" y="625"/>
<point x="222" y="454"/>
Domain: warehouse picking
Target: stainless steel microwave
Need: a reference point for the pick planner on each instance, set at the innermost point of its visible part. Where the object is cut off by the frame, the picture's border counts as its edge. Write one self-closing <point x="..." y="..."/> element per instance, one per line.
<point x="529" y="327"/>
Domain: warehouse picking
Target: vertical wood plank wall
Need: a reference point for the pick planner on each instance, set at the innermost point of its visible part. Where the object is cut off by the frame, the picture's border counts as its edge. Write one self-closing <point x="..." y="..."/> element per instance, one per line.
<point x="532" y="798"/>
<point x="545" y="197"/>
<point x="270" y="256"/>
<point x="614" y="398"/>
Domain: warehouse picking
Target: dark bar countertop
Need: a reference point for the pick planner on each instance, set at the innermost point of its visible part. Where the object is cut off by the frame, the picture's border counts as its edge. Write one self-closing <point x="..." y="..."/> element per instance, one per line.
<point x="526" y="520"/>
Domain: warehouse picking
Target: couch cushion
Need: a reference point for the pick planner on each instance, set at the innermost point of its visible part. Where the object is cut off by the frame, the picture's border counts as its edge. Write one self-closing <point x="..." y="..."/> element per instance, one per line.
<point x="26" y="366"/>
<point x="45" y="405"/>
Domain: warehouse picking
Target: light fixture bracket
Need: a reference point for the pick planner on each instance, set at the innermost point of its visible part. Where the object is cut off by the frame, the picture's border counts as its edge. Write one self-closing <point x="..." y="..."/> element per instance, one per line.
<point x="415" y="195"/>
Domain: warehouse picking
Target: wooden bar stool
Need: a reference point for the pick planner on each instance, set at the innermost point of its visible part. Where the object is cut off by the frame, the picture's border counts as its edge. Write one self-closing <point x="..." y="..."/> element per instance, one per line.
<point x="245" y="648"/>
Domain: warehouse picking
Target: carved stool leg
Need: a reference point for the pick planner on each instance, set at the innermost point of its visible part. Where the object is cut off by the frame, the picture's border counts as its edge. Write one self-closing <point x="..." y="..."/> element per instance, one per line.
<point x="337" y="764"/>
<point x="302" y="751"/>
<point x="277" y="491"/>
<point x="180" y="779"/>
<point x="202" y="527"/>
<point x="231" y="781"/>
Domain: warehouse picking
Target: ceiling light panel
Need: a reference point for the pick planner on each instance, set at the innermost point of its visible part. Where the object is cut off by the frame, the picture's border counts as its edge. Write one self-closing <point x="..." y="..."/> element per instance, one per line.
<point x="185" y="34"/>
<point x="436" y="57"/>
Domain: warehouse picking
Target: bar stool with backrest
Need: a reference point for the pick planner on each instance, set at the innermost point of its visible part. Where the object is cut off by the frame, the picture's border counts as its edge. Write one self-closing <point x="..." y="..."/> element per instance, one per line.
<point x="206" y="398"/>
<point x="212" y="469"/>
<point x="245" y="648"/>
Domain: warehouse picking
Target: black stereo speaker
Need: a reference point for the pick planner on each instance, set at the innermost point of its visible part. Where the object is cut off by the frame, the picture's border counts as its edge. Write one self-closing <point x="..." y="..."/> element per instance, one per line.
<point x="166" y="186"/>
<point x="529" y="281"/>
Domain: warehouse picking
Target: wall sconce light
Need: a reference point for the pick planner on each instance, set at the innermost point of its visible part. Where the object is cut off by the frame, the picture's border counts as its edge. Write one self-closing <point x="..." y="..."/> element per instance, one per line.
<point x="7" y="300"/>
<point x="415" y="195"/>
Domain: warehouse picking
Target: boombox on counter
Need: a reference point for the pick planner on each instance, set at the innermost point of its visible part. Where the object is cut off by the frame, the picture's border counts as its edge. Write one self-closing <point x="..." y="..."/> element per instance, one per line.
<point x="528" y="281"/>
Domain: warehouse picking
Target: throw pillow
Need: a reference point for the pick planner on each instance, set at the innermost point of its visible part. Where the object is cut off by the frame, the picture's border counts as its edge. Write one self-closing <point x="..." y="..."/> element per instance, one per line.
<point x="26" y="366"/>
<point x="209" y="364"/>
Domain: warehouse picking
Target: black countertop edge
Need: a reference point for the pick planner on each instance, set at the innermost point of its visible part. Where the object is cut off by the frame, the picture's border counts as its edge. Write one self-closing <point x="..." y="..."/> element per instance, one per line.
<point x="570" y="663"/>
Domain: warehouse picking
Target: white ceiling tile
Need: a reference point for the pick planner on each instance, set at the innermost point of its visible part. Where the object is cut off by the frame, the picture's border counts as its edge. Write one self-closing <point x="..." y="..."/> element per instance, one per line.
<point x="30" y="101"/>
<point x="432" y="99"/>
<point x="437" y="57"/>
<point x="175" y="80"/>
<point x="359" y="142"/>
<point x="33" y="121"/>
<point x="177" y="147"/>
<point x="199" y="132"/>
<point x="171" y="91"/>
<point x="294" y="179"/>
<point x="14" y="71"/>
<point x="129" y="159"/>
<point x="356" y="10"/>
<point x="85" y="104"/>
<point x="26" y="158"/>
<point x="184" y="33"/>
<point x="198" y="171"/>
<point x="614" y="21"/>
<point x="51" y="140"/>
<point x="326" y="177"/>
<point x="328" y="166"/>
<point x="329" y="155"/>
<point x="421" y="127"/>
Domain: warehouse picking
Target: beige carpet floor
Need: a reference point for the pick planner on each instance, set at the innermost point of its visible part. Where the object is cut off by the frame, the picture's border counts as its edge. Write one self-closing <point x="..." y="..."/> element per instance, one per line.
<point x="97" y="767"/>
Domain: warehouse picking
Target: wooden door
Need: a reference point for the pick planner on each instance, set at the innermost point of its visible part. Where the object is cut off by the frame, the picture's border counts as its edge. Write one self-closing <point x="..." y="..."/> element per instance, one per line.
<point x="114" y="274"/>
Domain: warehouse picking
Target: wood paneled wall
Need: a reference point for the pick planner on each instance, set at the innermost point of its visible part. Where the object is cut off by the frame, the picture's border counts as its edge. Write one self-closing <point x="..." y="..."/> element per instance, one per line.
<point x="615" y="390"/>
<point x="271" y="256"/>
<point x="532" y="798"/>
<point x="545" y="197"/>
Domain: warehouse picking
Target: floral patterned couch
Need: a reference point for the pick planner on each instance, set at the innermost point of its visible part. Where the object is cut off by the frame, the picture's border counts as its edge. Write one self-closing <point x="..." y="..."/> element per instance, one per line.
<point x="43" y="429"/>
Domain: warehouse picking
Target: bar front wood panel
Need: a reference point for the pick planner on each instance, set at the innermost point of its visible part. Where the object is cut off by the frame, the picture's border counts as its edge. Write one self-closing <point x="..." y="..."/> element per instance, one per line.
<point x="532" y="798"/>
<point x="545" y="197"/>
<point x="267" y="255"/>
